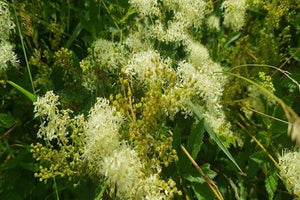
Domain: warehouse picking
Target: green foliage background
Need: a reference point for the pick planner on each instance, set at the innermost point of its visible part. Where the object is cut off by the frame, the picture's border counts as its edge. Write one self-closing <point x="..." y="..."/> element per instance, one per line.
<point x="270" y="36"/>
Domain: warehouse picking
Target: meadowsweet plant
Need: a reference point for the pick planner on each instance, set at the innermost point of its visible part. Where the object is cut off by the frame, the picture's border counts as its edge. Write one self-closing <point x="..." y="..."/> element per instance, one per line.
<point x="154" y="100"/>
<point x="74" y="144"/>
<point x="60" y="154"/>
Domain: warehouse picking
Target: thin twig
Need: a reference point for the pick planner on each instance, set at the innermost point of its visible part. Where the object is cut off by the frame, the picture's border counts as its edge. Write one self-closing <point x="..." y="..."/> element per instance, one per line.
<point x="8" y="132"/>
<point x="286" y="73"/>
<point x="261" y="113"/>
<point x="260" y="145"/>
<point x="210" y="183"/>
<point x="287" y="60"/>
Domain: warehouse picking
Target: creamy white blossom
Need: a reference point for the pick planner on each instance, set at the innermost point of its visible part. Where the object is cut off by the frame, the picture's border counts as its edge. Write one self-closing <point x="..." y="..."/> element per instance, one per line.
<point x="175" y="31"/>
<point x="102" y="136"/>
<point x="191" y="12"/>
<point x="110" y="157"/>
<point x="234" y="14"/>
<point x="290" y="170"/>
<point x="147" y="66"/>
<point x="46" y="105"/>
<point x="7" y="56"/>
<point x="123" y="168"/>
<point x="213" y="23"/>
<point x="146" y="7"/>
<point x="55" y="121"/>
<point x="6" y="23"/>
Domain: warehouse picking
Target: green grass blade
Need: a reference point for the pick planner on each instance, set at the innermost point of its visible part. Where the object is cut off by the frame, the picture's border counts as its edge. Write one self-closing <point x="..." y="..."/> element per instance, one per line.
<point x="213" y="135"/>
<point x="28" y="94"/>
<point x="74" y="35"/>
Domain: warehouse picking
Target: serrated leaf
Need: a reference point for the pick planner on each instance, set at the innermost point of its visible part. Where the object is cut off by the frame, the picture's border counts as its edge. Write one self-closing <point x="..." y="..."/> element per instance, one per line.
<point x="213" y="135"/>
<point x="206" y="169"/>
<point x="259" y="157"/>
<point x="193" y="177"/>
<point x="195" y="139"/>
<point x="271" y="183"/>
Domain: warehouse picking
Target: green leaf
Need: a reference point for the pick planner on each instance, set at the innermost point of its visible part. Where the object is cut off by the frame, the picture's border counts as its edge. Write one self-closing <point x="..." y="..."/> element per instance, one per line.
<point x="232" y="39"/>
<point x="259" y="157"/>
<point x="203" y="192"/>
<point x="28" y="94"/>
<point x="213" y="135"/>
<point x="193" y="177"/>
<point x="271" y="183"/>
<point x="74" y="35"/>
<point x="206" y="169"/>
<point x="195" y="139"/>
<point x="6" y="120"/>
<point x="176" y="139"/>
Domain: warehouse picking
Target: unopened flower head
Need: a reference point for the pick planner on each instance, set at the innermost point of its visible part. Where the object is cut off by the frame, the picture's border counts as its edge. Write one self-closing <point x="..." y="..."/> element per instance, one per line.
<point x="234" y="14"/>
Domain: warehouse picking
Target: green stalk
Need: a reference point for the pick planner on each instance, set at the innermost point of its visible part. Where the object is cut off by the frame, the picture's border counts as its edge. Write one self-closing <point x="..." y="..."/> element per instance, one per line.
<point x="24" y="50"/>
<point x="292" y="116"/>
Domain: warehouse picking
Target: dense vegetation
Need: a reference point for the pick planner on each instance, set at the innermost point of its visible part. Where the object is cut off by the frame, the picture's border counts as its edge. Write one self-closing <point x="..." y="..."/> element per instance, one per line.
<point x="157" y="99"/>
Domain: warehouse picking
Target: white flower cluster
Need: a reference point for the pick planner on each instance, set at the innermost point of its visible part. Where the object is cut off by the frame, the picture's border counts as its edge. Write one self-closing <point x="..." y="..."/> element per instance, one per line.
<point x="234" y="14"/>
<point x="204" y="78"/>
<point x="114" y="159"/>
<point x="7" y="56"/>
<point x="175" y="32"/>
<point x="6" y="23"/>
<point x="290" y="170"/>
<point x="55" y="122"/>
<point x="145" y="7"/>
<point x="103" y="54"/>
<point x="199" y="76"/>
<point x="190" y="12"/>
<point x="102" y="136"/>
<point x="104" y="152"/>
<point x="186" y="14"/>
<point x="213" y="23"/>
<point x="209" y="87"/>
<point x="147" y="66"/>
<point x="104" y="57"/>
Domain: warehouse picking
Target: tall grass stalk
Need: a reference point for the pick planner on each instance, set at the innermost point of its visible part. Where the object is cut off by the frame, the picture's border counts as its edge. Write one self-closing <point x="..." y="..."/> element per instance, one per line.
<point x="24" y="50"/>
